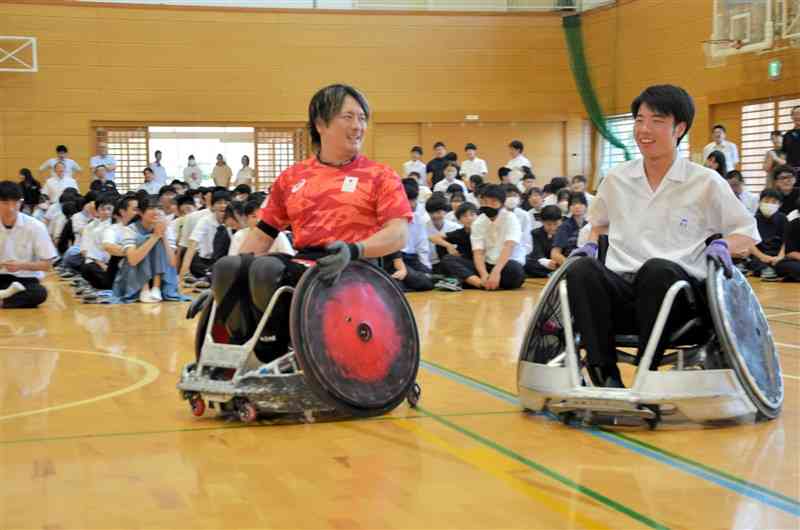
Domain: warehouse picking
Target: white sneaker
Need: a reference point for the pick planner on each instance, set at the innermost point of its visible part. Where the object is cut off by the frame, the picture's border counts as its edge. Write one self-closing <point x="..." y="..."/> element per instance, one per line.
<point x="155" y="294"/>
<point x="145" y="297"/>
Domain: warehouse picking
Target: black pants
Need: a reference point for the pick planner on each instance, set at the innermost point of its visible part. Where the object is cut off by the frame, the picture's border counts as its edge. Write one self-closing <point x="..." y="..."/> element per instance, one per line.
<point x="534" y="269"/>
<point x="200" y="267"/>
<point x="457" y="267"/>
<point x="788" y="269"/>
<point x="99" y="278"/>
<point x="511" y="277"/>
<point x="33" y="295"/>
<point x="418" y="276"/>
<point x="603" y="304"/>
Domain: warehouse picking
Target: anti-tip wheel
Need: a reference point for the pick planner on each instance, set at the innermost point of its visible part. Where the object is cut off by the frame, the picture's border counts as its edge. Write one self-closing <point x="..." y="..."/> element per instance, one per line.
<point x="198" y="405"/>
<point x="247" y="412"/>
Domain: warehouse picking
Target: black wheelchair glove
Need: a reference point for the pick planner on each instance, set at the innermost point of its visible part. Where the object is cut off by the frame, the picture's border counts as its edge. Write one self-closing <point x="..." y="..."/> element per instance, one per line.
<point x="341" y="253"/>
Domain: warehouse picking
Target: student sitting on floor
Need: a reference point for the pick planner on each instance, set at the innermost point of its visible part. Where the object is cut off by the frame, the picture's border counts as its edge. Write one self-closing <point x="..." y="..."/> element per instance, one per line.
<point x="72" y="258"/>
<point x="771" y="227"/>
<point x="96" y="267"/>
<point x="185" y="207"/>
<point x="26" y="252"/>
<point x="147" y="272"/>
<point x="450" y="179"/>
<point x="556" y="185"/>
<point x="566" y="239"/>
<point x="456" y="200"/>
<point x="496" y="236"/>
<point x="125" y="211"/>
<point x="281" y="245"/>
<point x="437" y="226"/>
<point x="562" y="201"/>
<point x="411" y="267"/>
<point x="233" y="220"/>
<point x="455" y="250"/>
<point x="788" y="267"/>
<point x="166" y="199"/>
<point x="512" y="205"/>
<point x="538" y="263"/>
<point x="199" y="254"/>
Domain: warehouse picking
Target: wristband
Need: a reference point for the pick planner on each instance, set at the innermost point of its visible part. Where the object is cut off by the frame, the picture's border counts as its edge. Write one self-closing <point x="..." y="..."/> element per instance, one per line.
<point x="268" y="229"/>
<point x="356" y="250"/>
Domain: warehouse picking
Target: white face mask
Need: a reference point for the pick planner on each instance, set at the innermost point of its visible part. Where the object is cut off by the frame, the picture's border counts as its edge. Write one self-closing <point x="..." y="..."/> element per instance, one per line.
<point x="564" y="205"/>
<point x="768" y="209"/>
<point x="192" y="162"/>
<point x="450" y="175"/>
<point x="512" y="202"/>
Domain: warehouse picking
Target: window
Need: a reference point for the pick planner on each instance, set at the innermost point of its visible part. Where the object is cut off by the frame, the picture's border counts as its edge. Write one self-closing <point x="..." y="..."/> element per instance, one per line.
<point x="622" y="127"/>
<point x="129" y="147"/>
<point x="758" y="121"/>
<point x="276" y="150"/>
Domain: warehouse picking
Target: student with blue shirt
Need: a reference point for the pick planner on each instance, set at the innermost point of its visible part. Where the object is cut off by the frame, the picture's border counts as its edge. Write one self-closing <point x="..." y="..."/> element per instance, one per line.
<point x="538" y="263"/>
<point x="566" y="239"/>
<point x="411" y="267"/>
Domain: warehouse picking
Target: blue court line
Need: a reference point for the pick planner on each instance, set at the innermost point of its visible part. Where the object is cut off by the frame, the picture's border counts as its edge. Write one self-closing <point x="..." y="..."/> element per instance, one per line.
<point x="740" y="486"/>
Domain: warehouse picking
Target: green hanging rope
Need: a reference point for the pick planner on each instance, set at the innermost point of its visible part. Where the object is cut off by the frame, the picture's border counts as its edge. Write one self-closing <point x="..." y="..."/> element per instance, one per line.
<point x="577" y="60"/>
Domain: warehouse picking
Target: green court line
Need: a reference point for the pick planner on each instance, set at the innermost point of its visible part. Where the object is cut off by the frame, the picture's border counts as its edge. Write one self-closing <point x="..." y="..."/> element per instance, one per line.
<point x="235" y="426"/>
<point x="554" y="475"/>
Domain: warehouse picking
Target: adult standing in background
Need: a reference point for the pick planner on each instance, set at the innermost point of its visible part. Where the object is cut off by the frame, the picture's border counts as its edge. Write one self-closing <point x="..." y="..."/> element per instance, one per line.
<point x="435" y="168"/>
<point x="791" y="142"/>
<point x="221" y="175"/>
<point x="719" y="143"/>
<point x="192" y="174"/>
<point x="102" y="158"/>
<point x="71" y="168"/>
<point x="517" y="162"/>
<point x="159" y="172"/>
<point x="60" y="181"/>
<point x="473" y="165"/>
<point x="246" y="175"/>
<point x="775" y="156"/>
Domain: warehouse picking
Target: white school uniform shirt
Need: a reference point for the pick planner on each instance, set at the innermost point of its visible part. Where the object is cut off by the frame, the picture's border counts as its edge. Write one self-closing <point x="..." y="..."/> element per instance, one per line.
<point x="728" y="149"/>
<point x="79" y="222"/>
<point x="473" y="167"/>
<point x="70" y="166"/>
<point x="191" y="222"/>
<point x="691" y="204"/>
<point x="750" y="201"/>
<point x="159" y="174"/>
<point x="430" y="229"/>
<point x="417" y="241"/>
<point x="245" y="175"/>
<point x="443" y="184"/>
<point x="56" y="225"/>
<point x="55" y="186"/>
<point x="107" y="161"/>
<point x="490" y="236"/>
<point x="116" y="234"/>
<point x="534" y="224"/>
<point x="203" y="234"/>
<point x="526" y="240"/>
<point x="92" y="241"/>
<point x="130" y="235"/>
<point x="280" y="245"/>
<point x="27" y="240"/>
<point x="515" y="165"/>
<point x="151" y="187"/>
<point x="416" y="166"/>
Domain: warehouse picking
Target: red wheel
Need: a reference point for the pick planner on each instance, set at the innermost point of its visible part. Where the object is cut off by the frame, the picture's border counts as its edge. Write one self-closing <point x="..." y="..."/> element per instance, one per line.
<point x="198" y="405"/>
<point x="247" y="412"/>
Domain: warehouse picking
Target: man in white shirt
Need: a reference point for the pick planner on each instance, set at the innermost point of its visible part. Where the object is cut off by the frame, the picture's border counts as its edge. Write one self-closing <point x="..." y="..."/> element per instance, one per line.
<point x="517" y="162"/>
<point x="159" y="172"/>
<point x="246" y="175"/>
<point x="719" y="143"/>
<point x="95" y="258"/>
<point x="192" y="174"/>
<point x="25" y="252"/>
<point x="150" y="184"/>
<point x="437" y="226"/>
<point x="496" y="235"/>
<point x="201" y="241"/>
<point x="473" y="165"/>
<point x="416" y="165"/>
<point x="102" y="158"/>
<point x="60" y="181"/>
<point x="411" y="267"/>
<point x="659" y="212"/>
<point x="71" y="168"/>
<point x="450" y="174"/>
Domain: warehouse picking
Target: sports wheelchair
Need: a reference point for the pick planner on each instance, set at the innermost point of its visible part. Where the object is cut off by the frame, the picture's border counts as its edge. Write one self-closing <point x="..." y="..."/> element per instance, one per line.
<point x="354" y="352"/>
<point x="727" y="371"/>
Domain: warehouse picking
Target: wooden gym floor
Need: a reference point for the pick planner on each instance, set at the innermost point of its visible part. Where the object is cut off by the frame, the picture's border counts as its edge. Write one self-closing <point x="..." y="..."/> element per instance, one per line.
<point x="93" y="435"/>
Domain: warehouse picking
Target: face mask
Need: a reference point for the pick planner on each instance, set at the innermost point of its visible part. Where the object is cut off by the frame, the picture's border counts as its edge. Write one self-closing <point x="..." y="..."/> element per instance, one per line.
<point x="564" y="205"/>
<point x="512" y="202"/>
<point x="768" y="209"/>
<point x="450" y="175"/>
<point x="490" y="212"/>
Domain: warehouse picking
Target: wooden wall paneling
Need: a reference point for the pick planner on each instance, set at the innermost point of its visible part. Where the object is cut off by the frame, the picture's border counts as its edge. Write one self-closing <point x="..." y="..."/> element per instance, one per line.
<point x="393" y="142"/>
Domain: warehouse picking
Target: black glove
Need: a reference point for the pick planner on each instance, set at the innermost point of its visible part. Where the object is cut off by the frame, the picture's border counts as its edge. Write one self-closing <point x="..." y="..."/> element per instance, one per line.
<point x="331" y="266"/>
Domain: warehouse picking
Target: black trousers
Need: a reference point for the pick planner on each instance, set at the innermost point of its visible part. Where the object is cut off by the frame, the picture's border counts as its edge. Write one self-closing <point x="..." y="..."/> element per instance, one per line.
<point x="200" y="267"/>
<point x="788" y="269"/>
<point x="418" y="277"/>
<point x="33" y="295"/>
<point x="511" y="277"/>
<point x="457" y="267"/>
<point x="605" y="304"/>
<point x="534" y="269"/>
<point x="98" y="278"/>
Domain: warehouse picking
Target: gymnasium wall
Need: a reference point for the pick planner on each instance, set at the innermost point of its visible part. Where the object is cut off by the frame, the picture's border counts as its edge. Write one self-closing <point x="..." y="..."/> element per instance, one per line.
<point x="421" y="72"/>
<point x="644" y="42"/>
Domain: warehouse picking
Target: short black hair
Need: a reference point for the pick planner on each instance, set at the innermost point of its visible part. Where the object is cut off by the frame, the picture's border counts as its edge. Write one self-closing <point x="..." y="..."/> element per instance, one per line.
<point x="123" y="204"/>
<point x="242" y="188"/>
<point x="535" y="190"/>
<point x="558" y="184"/>
<point x="90" y="196"/>
<point x="437" y="204"/>
<point x="146" y="170"/>
<point x="251" y="205"/>
<point x="776" y="133"/>
<point x="454" y="188"/>
<point x="551" y="212"/>
<point x="10" y="191"/>
<point x="147" y="203"/>
<point x="770" y="193"/>
<point x="457" y="196"/>
<point x="470" y="146"/>
<point x="219" y="196"/>
<point x="185" y="199"/>
<point x="527" y="173"/>
<point x="411" y="175"/>
<point x="103" y="199"/>
<point x="98" y="166"/>
<point x="510" y="188"/>
<point x="327" y="103"/>
<point x="563" y="195"/>
<point x="417" y="149"/>
<point x="166" y="189"/>
<point x="451" y="156"/>
<point x="61" y="149"/>
<point x="503" y="171"/>
<point x="578" y="198"/>
<point x="234" y="209"/>
<point x="464" y="209"/>
<point x="450" y="164"/>
<point x="158" y="152"/>
<point x="411" y="187"/>
<point x="719" y="158"/>
<point x="476" y="180"/>
<point x="516" y="144"/>
<point x="191" y="156"/>
<point x="783" y="168"/>
<point x="494" y="191"/>
<point x="579" y="178"/>
<point x="734" y="174"/>
<point x="719" y="126"/>
<point x="439" y="144"/>
<point x="547" y="188"/>
<point x="669" y="100"/>
<point x="176" y="182"/>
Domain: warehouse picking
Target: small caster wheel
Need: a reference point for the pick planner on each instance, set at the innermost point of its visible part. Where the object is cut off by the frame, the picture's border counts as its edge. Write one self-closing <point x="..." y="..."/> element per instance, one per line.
<point x="413" y="395"/>
<point x="566" y="417"/>
<point x="247" y="412"/>
<point x="198" y="405"/>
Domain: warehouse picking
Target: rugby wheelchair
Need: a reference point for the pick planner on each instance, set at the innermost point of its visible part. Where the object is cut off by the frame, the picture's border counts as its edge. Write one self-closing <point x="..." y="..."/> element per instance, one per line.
<point x="721" y="371"/>
<point x="353" y="352"/>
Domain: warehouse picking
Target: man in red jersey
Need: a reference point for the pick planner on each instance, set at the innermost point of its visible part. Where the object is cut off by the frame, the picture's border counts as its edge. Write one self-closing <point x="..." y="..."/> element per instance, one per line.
<point x="340" y="207"/>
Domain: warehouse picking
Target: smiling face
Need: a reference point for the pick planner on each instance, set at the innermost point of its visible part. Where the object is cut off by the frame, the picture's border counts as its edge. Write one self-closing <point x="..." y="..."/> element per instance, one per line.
<point x="784" y="182"/>
<point x="344" y="135"/>
<point x="718" y="135"/>
<point x="656" y="134"/>
<point x="9" y="210"/>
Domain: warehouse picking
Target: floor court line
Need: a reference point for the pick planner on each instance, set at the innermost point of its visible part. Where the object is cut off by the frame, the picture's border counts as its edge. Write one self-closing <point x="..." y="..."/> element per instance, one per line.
<point x="697" y="469"/>
<point x="788" y="313"/>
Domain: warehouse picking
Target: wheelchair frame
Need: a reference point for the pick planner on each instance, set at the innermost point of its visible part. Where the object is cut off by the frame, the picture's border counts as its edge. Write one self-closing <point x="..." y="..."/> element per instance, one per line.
<point x="705" y="395"/>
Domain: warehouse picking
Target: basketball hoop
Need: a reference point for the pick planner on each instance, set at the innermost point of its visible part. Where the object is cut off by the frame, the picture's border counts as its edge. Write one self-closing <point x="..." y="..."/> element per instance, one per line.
<point x="714" y="50"/>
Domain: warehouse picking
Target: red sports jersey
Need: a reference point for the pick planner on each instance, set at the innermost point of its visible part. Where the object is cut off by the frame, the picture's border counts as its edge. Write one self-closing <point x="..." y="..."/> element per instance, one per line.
<point x="323" y="204"/>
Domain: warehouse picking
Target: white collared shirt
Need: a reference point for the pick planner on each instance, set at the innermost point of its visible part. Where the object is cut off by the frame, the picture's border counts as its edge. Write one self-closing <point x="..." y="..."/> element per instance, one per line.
<point x="245" y="175"/>
<point x="474" y="167"/>
<point x="515" y="165"/>
<point x="447" y="227"/>
<point x="750" y="201"/>
<point x="417" y="240"/>
<point x="191" y="222"/>
<point x="442" y="185"/>
<point x="417" y="166"/>
<point x="526" y="240"/>
<point x="490" y="236"/>
<point x="70" y="166"/>
<point x="691" y="204"/>
<point x="159" y="174"/>
<point x="27" y="240"/>
<point x="92" y="241"/>
<point x="203" y="234"/>
<point x="107" y="161"/>
<point x="152" y="187"/>
<point x="55" y="186"/>
<point x="728" y="149"/>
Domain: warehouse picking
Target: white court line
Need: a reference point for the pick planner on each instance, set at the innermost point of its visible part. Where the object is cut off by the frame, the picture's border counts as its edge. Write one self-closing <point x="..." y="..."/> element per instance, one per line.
<point x="784" y="314"/>
<point x="787" y="376"/>
<point x="785" y="345"/>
